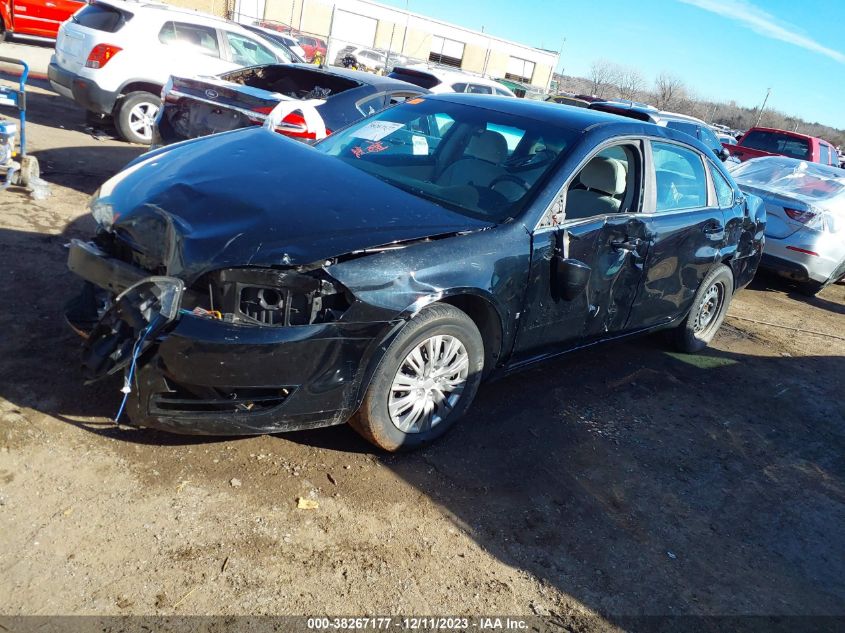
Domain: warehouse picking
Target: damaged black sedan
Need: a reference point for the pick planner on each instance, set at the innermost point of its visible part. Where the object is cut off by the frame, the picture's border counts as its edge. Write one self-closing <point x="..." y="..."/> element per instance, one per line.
<point x="246" y="283"/>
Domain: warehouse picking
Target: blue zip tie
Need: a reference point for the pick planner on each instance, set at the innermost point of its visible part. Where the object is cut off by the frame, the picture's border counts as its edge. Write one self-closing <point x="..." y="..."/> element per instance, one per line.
<point x="127" y="382"/>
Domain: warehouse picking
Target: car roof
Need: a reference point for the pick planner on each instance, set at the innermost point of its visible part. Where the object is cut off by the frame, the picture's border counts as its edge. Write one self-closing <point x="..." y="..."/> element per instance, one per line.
<point x="544" y="111"/>
<point x="570" y="117"/>
<point x="653" y="114"/>
<point x="675" y="116"/>
<point x="786" y="132"/>
<point x="136" y="7"/>
<point x="449" y="75"/>
<point x="378" y="81"/>
<point x="263" y="29"/>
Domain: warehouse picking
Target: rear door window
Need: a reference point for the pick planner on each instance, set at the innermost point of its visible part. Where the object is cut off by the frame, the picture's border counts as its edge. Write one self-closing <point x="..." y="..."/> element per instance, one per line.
<point x="371" y="105"/>
<point x="191" y="37"/>
<point x="679" y="177"/>
<point x="709" y="139"/>
<point x="824" y="154"/>
<point x="248" y="52"/>
<point x="686" y="128"/>
<point x="479" y="89"/>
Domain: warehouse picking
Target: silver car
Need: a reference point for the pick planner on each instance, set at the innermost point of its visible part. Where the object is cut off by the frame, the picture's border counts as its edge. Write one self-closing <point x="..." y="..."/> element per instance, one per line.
<point x="805" y="205"/>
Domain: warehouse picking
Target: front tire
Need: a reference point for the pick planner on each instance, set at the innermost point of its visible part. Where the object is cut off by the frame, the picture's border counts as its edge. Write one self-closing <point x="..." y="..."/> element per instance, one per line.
<point x="425" y="382"/>
<point x="709" y="308"/>
<point x="135" y="116"/>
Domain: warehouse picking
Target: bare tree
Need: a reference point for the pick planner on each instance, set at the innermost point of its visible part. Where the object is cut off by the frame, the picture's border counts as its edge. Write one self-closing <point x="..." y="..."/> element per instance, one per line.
<point x="668" y="90"/>
<point x="629" y="82"/>
<point x="601" y="77"/>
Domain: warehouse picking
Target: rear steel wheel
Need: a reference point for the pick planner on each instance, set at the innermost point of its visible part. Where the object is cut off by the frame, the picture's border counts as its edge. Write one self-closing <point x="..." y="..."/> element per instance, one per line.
<point x="709" y="307"/>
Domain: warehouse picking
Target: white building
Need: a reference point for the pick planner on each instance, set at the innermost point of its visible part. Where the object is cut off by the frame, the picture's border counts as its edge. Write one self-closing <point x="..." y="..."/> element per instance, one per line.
<point x="418" y="37"/>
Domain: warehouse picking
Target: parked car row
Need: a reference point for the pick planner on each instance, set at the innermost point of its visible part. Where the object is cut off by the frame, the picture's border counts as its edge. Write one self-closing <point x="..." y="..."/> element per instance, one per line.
<point x="196" y="107"/>
<point x="114" y="57"/>
<point x="681" y="122"/>
<point x="443" y="81"/>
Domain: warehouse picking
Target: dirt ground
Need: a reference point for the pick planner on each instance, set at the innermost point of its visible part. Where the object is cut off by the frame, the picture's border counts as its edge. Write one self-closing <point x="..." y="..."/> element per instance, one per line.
<point x="620" y="481"/>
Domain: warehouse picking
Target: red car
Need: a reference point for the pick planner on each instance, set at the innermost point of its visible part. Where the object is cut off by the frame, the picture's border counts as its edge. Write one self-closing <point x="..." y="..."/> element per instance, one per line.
<point x="40" y="18"/>
<point x="764" y="141"/>
<point x="309" y="43"/>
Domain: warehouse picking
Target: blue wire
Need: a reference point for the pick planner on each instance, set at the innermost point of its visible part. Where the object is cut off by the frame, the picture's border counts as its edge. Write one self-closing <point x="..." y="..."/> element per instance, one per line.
<point x="136" y="350"/>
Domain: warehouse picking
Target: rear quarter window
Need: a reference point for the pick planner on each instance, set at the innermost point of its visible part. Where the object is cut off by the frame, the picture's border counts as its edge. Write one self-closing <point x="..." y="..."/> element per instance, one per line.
<point x="423" y="80"/>
<point x="102" y="18"/>
<point x="190" y="37"/>
<point x="824" y="154"/>
<point x="687" y="128"/>
<point x="724" y="190"/>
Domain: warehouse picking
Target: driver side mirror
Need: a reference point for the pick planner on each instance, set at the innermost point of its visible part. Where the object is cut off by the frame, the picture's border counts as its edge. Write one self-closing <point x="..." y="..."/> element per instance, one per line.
<point x="724" y="154"/>
<point x="569" y="277"/>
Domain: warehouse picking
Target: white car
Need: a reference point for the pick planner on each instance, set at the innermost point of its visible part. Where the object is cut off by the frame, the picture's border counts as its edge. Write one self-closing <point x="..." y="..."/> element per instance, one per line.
<point x="805" y="217"/>
<point x="114" y="57"/>
<point x="438" y="81"/>
<point x="277" y="36"/>
<point x="369" y="58"/>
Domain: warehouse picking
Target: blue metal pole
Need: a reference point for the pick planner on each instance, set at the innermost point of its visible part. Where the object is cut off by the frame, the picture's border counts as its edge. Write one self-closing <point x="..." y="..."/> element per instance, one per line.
<point x="22" y="106"/>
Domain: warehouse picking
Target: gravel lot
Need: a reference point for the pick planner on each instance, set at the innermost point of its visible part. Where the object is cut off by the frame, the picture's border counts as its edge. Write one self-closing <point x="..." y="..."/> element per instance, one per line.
<point x="625" y="480"/>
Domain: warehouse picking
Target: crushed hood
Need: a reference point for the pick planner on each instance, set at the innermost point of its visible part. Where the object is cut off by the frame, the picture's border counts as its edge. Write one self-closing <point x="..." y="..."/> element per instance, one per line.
<point x="252" y="197"/>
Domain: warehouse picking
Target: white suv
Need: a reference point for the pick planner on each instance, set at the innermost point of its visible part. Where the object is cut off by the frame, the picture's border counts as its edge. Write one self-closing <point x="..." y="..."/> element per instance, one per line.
<point x="438" y="81"/>
<point x="113" y="57"/>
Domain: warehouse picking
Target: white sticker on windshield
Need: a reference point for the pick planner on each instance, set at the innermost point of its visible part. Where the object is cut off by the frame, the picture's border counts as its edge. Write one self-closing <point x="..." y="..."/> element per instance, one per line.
<point x="420" y="145"/>
<point x="376" y="130"/>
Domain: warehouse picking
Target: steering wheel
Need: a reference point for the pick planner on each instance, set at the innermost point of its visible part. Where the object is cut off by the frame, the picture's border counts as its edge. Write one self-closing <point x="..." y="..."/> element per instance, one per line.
<point x="509" y="178"/>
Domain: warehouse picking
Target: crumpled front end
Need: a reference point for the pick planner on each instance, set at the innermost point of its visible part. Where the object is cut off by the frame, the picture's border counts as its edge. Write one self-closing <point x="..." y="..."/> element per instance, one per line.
<point x="264" y="338"/>
<point x="240" y="351"/>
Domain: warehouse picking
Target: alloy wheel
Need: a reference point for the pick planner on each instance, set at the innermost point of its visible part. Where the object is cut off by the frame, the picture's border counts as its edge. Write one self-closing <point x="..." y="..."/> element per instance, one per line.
<point x="142" y="118"/>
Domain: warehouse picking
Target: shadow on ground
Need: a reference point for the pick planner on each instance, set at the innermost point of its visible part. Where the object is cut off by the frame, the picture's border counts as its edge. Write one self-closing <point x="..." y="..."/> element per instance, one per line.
<point x="631" y="478"/>
<point x="766" y="280"/>
<point x="634" y="479"/>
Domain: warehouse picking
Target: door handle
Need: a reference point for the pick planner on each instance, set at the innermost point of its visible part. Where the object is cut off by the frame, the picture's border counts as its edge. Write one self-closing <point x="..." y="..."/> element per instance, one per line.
<point x="630" y="245"/>
<point x="714" y="229"/>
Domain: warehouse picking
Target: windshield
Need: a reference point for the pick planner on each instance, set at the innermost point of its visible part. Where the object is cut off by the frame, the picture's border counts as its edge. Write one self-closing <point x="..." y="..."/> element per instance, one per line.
<point x="477" y="161"/>
<point x="792" y="177"/>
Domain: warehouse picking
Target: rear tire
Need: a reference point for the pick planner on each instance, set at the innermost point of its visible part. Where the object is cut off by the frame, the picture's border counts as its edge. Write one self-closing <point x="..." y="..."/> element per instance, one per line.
<point x="135" y="116"/>
<point x="425" y="382"/>
<point x="709" y="308"/>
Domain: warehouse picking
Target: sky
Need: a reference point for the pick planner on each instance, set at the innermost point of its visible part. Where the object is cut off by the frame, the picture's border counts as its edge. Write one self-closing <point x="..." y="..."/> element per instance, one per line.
<point x="722" y="49"/>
